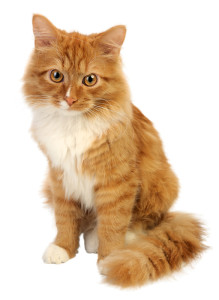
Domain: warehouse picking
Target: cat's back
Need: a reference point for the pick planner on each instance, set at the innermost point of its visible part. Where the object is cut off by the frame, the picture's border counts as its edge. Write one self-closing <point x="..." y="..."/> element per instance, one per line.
<point x="150" y="149"/>
<point x="144" y="129"/>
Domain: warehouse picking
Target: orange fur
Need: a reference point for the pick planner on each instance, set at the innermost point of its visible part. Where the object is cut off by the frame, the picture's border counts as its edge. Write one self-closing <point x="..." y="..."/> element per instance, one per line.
<point x="163" y="249"/>
<point x="133" y="184"/>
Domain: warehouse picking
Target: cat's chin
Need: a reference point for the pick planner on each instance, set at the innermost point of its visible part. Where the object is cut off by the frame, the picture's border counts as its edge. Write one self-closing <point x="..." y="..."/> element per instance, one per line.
<point x="70" y="112"/>
<point x="57" y="111"/>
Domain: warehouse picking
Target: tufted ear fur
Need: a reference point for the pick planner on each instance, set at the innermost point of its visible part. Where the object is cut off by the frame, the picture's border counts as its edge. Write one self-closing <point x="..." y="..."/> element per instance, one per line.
<point x="44" y="31"/>
<point x="111" y="40"/>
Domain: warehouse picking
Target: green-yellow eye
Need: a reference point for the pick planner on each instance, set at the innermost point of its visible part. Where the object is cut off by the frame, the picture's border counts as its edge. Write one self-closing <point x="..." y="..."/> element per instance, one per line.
<point x="90" y="80"/>
<point x="56" y="76"/>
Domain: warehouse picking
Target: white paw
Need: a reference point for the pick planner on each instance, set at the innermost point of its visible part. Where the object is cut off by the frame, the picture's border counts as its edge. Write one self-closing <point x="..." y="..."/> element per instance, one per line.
<point x="101" y="267"/>
<point x="130" y="237"/>
<point x="55" y="255"/>
<point x="91" y="241"/>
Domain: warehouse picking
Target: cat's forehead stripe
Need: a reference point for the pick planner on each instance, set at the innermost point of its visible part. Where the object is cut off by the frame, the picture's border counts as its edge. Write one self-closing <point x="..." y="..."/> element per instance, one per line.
<point x="68" y="92"/>
<point x="76" y="54"/>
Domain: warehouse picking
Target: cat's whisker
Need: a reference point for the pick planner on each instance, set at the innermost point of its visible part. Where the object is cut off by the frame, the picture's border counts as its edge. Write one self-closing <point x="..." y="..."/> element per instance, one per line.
<point x="126" y="123"/>
<point x="123" y="114"/>
<point x="95" y="112"/>
<point x="29" y="96"/>
<point x="38" y="97"/>
<point x="109" y="101"/>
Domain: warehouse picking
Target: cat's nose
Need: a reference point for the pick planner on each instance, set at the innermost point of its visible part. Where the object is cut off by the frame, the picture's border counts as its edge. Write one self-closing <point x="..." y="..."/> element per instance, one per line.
<point x="70" y="100"/>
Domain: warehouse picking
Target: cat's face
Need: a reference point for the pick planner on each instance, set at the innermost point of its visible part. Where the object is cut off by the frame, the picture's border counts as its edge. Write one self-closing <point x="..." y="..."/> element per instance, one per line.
<point x="74" y="73"/>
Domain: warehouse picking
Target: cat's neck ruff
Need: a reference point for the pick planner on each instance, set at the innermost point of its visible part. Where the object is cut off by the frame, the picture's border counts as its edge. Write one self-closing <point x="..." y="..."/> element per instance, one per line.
<point x="61" y="134"/>
<point x="65" y="138"/>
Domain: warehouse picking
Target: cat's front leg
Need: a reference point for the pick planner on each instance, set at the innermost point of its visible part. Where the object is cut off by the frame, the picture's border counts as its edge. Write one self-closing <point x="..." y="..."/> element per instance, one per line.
<point x="68" y="218"/>
<point x="114" y="210"/>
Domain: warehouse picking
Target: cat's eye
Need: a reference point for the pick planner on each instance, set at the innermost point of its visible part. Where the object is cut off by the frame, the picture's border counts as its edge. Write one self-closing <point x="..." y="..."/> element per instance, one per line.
<point x="56" y="76"/>
<point x="90" y="80"/>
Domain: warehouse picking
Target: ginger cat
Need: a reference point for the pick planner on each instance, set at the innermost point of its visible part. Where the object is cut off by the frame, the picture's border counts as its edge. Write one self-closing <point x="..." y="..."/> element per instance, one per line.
<point x="108" y="175"/>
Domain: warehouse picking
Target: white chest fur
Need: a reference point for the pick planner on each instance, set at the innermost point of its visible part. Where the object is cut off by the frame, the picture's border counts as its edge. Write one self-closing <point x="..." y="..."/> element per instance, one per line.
<point x="65" y="139"/>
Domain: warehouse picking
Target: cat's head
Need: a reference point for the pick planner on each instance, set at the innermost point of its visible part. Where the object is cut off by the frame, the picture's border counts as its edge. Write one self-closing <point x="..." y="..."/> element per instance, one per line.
<point x="75" y="73"/>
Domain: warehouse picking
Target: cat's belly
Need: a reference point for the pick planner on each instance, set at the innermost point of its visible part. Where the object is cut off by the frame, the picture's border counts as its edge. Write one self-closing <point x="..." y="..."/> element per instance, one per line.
<point x="79" y="187"/>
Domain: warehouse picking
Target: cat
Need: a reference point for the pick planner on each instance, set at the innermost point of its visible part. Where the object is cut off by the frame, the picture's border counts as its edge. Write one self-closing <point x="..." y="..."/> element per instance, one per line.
<point x="108" y="178"/>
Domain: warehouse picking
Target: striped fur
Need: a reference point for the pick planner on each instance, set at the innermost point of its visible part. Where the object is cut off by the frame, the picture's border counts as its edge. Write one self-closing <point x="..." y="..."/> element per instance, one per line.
<point x="108" y="175"/>
<point x="155" y="253"/>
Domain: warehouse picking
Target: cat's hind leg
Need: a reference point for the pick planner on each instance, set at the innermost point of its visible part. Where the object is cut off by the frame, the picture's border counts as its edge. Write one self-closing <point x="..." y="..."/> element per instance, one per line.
<point x="91" y="240"/>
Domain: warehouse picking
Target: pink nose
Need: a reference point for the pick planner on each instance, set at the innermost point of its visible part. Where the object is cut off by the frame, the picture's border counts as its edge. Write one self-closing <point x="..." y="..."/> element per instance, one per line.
<point x="70" y="100"/>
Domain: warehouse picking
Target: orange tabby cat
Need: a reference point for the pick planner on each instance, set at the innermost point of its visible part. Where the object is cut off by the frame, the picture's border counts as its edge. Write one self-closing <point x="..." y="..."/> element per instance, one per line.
<point x="108" y="175"/>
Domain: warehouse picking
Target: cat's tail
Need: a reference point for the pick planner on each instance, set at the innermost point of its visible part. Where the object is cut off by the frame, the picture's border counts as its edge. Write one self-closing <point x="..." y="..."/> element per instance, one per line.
<point x="148" y="256"/>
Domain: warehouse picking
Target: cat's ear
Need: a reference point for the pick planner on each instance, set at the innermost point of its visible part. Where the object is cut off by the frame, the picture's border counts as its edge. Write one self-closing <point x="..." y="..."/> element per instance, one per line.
<point x="44" y="31"/>
<point x="111" y="40"/>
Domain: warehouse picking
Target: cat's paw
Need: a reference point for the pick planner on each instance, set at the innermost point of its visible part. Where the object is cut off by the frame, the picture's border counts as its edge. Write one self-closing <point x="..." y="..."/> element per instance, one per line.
<point x="102" y="267"/>
<point x="55" y="255"/>
<point x="91" y="241"/>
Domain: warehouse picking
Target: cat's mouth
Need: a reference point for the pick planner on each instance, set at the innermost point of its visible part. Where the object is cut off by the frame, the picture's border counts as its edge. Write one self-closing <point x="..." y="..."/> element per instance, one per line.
<point x="64" y="105"/>
<point x="67" y="110"/>
<point x="77" y="107"/>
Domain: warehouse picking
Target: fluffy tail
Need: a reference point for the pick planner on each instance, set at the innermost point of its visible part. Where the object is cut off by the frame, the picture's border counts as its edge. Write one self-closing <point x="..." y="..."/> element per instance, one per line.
<point x="163" y="249"/>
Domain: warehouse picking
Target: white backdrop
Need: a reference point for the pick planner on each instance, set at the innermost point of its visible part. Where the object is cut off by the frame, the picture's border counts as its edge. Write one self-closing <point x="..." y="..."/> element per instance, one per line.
<point x="171" y="58"/>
